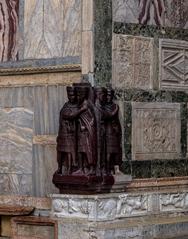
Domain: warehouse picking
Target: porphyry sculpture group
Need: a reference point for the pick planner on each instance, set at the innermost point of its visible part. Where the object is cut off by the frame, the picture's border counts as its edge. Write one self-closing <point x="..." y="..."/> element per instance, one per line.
<point x="89" y="140"/>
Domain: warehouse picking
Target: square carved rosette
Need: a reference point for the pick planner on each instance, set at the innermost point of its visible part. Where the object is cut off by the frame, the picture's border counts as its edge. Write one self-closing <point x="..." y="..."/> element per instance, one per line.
<point x="156" y="131"/>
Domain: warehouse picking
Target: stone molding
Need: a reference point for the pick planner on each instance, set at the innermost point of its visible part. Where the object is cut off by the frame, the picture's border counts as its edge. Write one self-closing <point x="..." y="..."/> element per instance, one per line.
<point x="43" y="69"/>
<point x="15" y="210"/>
<point x="24" y="201"/>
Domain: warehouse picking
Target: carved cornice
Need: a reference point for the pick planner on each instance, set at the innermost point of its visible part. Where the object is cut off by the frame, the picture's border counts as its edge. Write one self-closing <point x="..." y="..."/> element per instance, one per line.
<point x="43" y="69"/>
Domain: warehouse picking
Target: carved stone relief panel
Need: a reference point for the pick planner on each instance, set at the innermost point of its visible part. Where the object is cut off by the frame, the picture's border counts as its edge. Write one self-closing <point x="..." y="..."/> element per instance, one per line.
<point x="155" y="131"/>
<point x="132" y="61"/>
<point x="165" y="13"/>
<point x="173" y="64"/>
<point x="132" y="205"/>
<point x="9" y="30"/>
<point x="173" y="202"/>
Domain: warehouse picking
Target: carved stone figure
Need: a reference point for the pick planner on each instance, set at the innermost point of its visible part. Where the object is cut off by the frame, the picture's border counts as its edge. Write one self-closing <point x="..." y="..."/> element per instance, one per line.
<point x="113" y="133"/>
<point x="101" y="99"/>
<point x="66" y="140"/>
<point x="87" y="152"/>
<point x="89" y="140"/>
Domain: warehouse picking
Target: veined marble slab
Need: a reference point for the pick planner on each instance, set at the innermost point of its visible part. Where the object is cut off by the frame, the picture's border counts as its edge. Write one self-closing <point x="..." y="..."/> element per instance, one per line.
<point x="165" y="13"/>
<point x="52" y="28"/>
<point x="16" y="133"/>
<point x="9" y="29"/>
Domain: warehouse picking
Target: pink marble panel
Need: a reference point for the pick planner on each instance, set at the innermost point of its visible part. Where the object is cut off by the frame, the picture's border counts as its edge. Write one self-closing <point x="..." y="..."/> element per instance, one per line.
<point x="8" y="30"/>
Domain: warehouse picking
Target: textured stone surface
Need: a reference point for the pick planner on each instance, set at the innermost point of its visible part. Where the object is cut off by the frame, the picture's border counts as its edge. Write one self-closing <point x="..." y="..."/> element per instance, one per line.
<point x="173" y="64"/>
<point x="132" y="62"/>
<point x="169" y="13"/>
<point x="152" y="134"/>
<point x="150" y="31"/>
<point x="52" y="28"/>
<point x="9" y="30"/>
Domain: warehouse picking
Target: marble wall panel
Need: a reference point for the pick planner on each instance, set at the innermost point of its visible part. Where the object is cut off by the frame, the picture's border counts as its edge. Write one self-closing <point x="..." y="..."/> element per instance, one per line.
<point x="169" y="13"/>
<point x="20" y="184"/>
<point x="132" y="62"/>
<point x="16" y="137"/>
<point x="9" y="29"/>
<point x="48" y="100"/>
<point x="156" y="131"/>
<point x="173" y="64"/>
<point x="16" y="151"/>
<point x="28" y="113"/>
<point x="52" y="28"/>
<point x="45" y="165"/>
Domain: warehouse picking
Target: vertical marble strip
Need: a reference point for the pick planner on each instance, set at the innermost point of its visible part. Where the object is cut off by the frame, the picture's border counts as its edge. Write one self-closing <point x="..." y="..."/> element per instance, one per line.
<point x="38" y="158"/>
<point x="49" y="167"/>
<point x="53" y="26"/>
<point x="6" y="97"/>
<point x="71" y="27"/>
<point x="28" y="97"/>
<point x="40" y="110"/>
<point x="9" y="29"/>
<point x="62" y="97"/>
<point x="33" y="29"/>
<point x="17" y="97"/>
<point x="44" y="166"/>
<point x="53" y="112"/>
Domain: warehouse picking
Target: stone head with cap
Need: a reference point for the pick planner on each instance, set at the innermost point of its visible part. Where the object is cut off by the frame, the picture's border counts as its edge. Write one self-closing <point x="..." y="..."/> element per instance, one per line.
<point x="101" y="94"/>
<point x="82" y="93"/>
<point x="71" y="94"/>
<point x="110" y="95"/>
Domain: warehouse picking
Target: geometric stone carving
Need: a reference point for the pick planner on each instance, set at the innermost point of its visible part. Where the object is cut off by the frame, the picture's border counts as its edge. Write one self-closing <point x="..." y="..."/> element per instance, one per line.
<point x="173" y="64"/>
<point x="156" y="131"/>
<point x="165" y="13"/>
<point x="16" y="135"/>
<point x="132" y="61"/>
